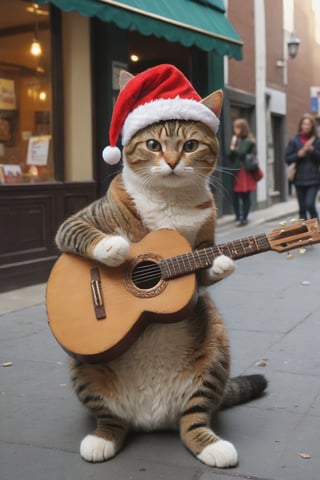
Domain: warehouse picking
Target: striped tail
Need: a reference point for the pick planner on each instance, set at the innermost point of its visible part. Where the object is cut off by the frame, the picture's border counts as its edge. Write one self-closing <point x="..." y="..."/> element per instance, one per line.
<point x="243" y="389"/>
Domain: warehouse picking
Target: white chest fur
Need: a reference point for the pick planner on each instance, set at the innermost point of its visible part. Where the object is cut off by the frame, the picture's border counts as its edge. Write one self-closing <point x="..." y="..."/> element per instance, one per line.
<point x="171" y="209"/>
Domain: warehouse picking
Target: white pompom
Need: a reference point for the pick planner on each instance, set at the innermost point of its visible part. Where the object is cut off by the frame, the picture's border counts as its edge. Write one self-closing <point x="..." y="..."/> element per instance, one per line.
<point x="111" y="155"/>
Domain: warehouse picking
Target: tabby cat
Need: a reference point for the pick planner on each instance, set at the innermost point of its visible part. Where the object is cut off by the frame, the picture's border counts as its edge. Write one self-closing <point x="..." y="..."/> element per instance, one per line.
<point x="174" y="376"/>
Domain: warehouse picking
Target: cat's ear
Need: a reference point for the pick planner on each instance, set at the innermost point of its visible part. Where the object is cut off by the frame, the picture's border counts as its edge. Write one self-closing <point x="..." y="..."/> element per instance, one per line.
<point x="214" y="102"/>
<point x="124" y="78"/>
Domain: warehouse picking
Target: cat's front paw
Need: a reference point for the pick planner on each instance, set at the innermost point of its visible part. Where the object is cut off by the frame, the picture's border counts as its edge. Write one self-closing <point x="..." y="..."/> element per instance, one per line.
<point x="219" y="454"/>
<point x="112" y="251"/>
<point x="96" y="449"/>
<point x="222" y="267"/>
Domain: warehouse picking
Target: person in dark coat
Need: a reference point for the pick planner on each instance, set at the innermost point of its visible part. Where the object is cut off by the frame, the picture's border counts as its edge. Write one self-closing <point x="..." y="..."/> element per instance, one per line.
<point x="303" y="150"/>
<point x="242" y="142"/>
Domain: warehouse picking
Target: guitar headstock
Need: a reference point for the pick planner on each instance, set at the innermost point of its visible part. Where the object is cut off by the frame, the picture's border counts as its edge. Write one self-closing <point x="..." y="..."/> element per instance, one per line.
<point x="298" y="235"/>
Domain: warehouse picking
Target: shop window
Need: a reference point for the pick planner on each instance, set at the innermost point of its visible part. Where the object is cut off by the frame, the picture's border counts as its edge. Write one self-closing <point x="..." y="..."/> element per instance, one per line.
<point x="26" y="140"/>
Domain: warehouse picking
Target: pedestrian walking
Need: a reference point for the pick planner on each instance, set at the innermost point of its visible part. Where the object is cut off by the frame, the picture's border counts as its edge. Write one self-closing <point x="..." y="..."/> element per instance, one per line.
<point x="242" y="143"/>
<point x="303" y="157"/>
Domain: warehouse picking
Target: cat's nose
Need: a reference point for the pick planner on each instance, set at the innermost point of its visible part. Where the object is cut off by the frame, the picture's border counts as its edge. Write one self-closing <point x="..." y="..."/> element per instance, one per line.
<point x="172" y="165"/>
<point x="172" y="160"/>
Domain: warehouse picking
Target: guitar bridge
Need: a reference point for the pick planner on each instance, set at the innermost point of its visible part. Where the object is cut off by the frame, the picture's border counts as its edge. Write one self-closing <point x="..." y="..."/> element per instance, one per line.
<point x="97" y="297"/>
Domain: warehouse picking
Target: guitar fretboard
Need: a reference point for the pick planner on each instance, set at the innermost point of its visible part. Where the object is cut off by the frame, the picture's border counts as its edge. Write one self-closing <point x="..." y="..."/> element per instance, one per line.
<point x="199" y="259"/>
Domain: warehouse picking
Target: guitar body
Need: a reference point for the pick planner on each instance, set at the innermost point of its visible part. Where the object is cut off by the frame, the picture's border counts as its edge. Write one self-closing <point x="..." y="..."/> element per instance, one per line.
<point x="96" y="312"/>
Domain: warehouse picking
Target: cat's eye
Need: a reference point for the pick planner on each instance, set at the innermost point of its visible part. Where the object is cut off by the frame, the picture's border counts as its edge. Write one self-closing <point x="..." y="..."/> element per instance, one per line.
<point x="154" y="145"/>
<point x="190" y="145"/>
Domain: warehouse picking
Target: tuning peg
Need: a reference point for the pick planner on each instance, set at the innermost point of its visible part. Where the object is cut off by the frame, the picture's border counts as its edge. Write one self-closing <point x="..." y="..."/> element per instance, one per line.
<point x="283" y="223"/>
<point x="289" y="256"/>
<point x="294" y="220"/>
<point x="302" y="251"/>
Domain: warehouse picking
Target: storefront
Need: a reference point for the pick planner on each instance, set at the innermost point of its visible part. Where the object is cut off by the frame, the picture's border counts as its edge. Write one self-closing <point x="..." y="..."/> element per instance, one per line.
<point x="56" y="100"/>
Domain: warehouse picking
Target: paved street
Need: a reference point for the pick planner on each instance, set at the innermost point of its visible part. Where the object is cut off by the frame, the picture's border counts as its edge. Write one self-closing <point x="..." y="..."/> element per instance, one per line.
<point x="271" y="308"/>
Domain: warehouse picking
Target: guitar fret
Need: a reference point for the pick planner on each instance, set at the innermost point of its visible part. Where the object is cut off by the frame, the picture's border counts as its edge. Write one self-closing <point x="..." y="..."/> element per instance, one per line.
<point x="187" y="263"/>
<point x="209" y="260"/>
<point x="255" y="242"/>
<point x="198" y="261"/>
<point x="225" y="250"/>
<point x="206" y="257"/>
<point x="171" y="267"/>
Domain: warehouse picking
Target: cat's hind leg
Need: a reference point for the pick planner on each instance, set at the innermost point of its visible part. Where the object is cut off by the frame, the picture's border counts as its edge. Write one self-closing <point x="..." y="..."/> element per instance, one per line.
<point x="197" y="435"/>
<point x="105" y="441"/>
<point x="211" y="368"/>
<point x="94" y="384"/>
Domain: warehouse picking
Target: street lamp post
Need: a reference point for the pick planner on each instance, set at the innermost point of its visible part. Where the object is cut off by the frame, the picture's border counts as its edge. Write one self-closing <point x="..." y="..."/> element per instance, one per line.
<point x="293" y="45"/>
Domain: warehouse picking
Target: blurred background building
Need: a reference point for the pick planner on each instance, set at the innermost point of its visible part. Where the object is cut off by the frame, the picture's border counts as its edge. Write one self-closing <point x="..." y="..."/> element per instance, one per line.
<point x="59" y="68"/>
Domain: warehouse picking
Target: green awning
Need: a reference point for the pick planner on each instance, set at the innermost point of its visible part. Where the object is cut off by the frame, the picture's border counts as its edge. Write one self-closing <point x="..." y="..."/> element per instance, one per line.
<point x="189" y="22"/>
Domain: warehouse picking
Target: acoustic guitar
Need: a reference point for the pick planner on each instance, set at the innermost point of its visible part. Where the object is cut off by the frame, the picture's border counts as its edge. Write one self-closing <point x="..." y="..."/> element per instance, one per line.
<point x="96" y="312"/>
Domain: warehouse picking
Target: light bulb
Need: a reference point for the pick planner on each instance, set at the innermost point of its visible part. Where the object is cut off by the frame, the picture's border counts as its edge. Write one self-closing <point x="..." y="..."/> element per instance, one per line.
<point x="36" y="49"/>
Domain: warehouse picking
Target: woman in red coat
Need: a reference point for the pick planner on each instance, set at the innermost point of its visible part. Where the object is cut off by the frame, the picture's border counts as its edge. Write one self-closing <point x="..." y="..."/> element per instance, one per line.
<point x="242" y="142"/>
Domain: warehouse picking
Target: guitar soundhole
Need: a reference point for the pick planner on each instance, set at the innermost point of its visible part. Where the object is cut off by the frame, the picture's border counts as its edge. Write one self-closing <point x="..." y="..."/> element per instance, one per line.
<point x="146" y="275"/>
<point x="143" y="276"/>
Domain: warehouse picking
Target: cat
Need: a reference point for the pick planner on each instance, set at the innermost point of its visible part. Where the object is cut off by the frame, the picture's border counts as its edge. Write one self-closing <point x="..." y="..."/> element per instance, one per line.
<point x="174" y="376"/>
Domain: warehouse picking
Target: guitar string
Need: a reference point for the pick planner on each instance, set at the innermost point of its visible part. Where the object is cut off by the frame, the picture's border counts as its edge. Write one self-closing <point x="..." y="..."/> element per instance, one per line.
<point x="234" y="249"/>
<point x="251" y="245"/>
<point x="182" y="264"/>
<point x="186" y="263"/>
<point x="153" y="271"/>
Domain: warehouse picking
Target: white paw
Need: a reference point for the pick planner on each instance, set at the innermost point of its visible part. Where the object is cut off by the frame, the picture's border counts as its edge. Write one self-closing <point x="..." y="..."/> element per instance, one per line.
<point x="222" y="267"/>
<point x="96" y="449"/>
<point x="112" y="251"/>
<point x="219" y="454"/>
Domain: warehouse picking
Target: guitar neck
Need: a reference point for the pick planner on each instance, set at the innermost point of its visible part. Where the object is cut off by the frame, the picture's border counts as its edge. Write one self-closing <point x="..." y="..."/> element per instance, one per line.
<point x="199" y="259"/>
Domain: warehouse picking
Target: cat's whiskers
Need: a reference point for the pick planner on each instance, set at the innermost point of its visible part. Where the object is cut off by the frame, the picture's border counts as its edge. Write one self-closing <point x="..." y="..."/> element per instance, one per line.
<point x="188" y="169"/>
<point x="227" y="170"/>
<point x="217" y="184"/>
<point x="113" y="171"/>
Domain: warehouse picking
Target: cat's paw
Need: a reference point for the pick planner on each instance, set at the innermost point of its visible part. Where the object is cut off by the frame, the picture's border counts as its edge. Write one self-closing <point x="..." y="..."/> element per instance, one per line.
<point x="219" y="454"/>
<point x="96" y="449"/>
<point x="222" y="267"/>
<point x="112" y="251"/>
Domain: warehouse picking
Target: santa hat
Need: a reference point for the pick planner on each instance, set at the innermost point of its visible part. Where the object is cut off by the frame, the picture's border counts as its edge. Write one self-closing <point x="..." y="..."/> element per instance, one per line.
<point x="159" y="93"/>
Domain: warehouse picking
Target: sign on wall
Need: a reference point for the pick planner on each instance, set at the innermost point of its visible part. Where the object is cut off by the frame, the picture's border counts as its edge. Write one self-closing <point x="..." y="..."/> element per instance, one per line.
<point x="38" y="150"/>
<point x="7" y="94"/>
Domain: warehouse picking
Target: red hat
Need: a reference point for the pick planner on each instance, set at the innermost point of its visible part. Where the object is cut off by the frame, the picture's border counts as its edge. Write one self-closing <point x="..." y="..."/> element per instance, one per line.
<point x="159" y="93"/>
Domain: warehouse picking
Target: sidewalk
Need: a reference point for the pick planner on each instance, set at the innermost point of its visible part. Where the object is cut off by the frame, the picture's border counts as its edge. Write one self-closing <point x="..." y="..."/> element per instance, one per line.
<point x="288" y="209"/>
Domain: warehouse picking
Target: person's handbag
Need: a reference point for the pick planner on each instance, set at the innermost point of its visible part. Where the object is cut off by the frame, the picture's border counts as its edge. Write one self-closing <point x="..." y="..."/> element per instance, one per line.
<point x="251" y="163"/>
<point x="258" y="174"/>
<point x="292" y="169"/>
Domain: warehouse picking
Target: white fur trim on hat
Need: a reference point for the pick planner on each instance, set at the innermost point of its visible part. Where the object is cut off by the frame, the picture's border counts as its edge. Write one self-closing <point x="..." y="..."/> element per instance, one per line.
<point x="167" y="109"/>
<point x="111" y="155"/>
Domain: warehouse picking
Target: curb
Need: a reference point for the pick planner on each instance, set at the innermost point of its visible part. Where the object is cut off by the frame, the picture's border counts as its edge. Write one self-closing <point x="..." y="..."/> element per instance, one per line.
<point x="257" y="217"/>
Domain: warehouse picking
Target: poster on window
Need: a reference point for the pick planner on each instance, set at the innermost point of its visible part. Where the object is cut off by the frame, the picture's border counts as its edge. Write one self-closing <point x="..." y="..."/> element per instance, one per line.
<point x="38" y="150"/>
<point x="7" y="94"/>
<point x="10" y="173"/>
